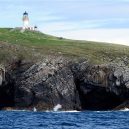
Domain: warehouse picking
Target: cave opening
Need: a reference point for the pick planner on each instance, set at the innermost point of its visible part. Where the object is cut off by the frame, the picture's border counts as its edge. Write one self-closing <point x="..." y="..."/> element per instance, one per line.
<point x="7" y="96"/>
<point x="98" y="99"/>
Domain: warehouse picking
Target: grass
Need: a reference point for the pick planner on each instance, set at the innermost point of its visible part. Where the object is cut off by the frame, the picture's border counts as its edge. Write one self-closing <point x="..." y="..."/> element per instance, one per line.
<point x="29" y="44"/>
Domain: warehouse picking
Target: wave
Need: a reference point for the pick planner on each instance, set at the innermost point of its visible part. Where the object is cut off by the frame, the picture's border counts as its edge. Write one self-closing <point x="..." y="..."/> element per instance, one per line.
<point x="72" y="111"/>
<point x="18" y="110"/>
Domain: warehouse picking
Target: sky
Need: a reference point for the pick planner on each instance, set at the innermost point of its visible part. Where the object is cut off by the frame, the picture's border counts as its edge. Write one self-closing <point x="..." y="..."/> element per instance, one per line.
<point x="96" y="20"/>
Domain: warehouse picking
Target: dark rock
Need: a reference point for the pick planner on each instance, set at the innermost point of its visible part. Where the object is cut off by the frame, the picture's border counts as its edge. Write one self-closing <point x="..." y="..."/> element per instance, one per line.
<point x="109" y="81"/>
<point x="44" y="85"/>
<point x="123" y="106"/>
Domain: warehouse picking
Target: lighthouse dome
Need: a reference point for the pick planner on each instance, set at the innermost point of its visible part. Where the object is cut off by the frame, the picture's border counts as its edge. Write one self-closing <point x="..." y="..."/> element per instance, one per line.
<point x="25" y="13"/>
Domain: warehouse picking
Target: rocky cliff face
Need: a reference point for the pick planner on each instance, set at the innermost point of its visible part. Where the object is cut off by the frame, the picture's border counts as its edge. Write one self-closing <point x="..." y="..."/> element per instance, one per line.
<point x="102" y="87"/>
<point x="74" y="85"/>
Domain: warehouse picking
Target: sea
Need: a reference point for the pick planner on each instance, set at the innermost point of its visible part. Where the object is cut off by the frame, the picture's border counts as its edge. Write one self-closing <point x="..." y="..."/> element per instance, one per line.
<point x="64" y="120"/>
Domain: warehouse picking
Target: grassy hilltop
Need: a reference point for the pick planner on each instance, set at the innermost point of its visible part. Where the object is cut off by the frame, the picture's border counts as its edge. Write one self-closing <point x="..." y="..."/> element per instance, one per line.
<point x="33" y="45"/>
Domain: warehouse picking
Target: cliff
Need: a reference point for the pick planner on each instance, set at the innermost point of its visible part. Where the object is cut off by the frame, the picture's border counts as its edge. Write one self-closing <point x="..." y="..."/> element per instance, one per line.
<point x="37" y="78"/>
<point x="74" y="85"/>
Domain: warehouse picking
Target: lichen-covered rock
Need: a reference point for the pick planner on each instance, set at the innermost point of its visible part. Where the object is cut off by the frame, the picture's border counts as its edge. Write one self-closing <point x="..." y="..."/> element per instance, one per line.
<point x="107" y="76"/>
<point x="46" y="84"/>
<point x="110" y="80"/>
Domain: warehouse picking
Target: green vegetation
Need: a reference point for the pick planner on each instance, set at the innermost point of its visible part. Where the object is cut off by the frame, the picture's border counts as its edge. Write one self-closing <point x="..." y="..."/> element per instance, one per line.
<point x="29" y="44"/>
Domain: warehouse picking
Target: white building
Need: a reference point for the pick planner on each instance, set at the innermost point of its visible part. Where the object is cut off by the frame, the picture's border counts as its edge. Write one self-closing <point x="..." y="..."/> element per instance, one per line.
<point x="35" y="28"/>
<point x="26" y="25"/>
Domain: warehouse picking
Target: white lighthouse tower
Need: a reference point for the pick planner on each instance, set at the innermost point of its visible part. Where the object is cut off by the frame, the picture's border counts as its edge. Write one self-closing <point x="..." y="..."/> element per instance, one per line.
<point x="25" y="20"/>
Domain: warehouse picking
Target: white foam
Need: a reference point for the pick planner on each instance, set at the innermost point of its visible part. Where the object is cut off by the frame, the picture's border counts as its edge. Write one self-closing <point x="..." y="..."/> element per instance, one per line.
<point x="57" y="107"/>
<point x="66" y="112"/>
<point x="34" y="109"/>
<point x="72" y="111"/>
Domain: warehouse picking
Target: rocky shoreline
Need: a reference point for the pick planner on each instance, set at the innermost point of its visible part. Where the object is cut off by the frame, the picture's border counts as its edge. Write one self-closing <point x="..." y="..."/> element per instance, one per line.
<point x="75" y="85"/>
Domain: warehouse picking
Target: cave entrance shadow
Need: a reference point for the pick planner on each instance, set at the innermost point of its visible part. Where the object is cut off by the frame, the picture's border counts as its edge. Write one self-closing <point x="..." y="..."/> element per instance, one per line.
<point x="7" y="96"/>
<point x="99" y="99"/>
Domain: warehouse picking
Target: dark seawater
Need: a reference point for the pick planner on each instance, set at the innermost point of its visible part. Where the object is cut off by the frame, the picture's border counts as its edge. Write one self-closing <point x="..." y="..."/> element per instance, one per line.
<point x="64" y="120"/>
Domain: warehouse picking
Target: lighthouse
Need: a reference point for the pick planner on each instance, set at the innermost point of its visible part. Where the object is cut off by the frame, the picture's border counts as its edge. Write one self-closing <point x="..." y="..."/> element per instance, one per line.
<point x="25" y="20"/>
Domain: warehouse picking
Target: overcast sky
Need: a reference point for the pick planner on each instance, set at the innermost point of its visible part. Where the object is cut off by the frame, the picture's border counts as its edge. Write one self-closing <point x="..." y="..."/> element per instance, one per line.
<point x="100" y="20"/>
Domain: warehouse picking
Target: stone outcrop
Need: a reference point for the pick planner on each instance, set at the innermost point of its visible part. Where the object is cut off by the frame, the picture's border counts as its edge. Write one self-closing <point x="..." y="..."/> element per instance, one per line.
<point x="46" y="88"/>
<point x="73" y="85"/>
<point x="101" y="87"/>
<point x="46" y="84"/>
<point x="2" y="75"/>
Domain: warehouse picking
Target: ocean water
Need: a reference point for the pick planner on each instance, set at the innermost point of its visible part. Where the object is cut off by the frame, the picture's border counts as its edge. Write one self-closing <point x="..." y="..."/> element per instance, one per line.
<point x="64" y="120"/>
